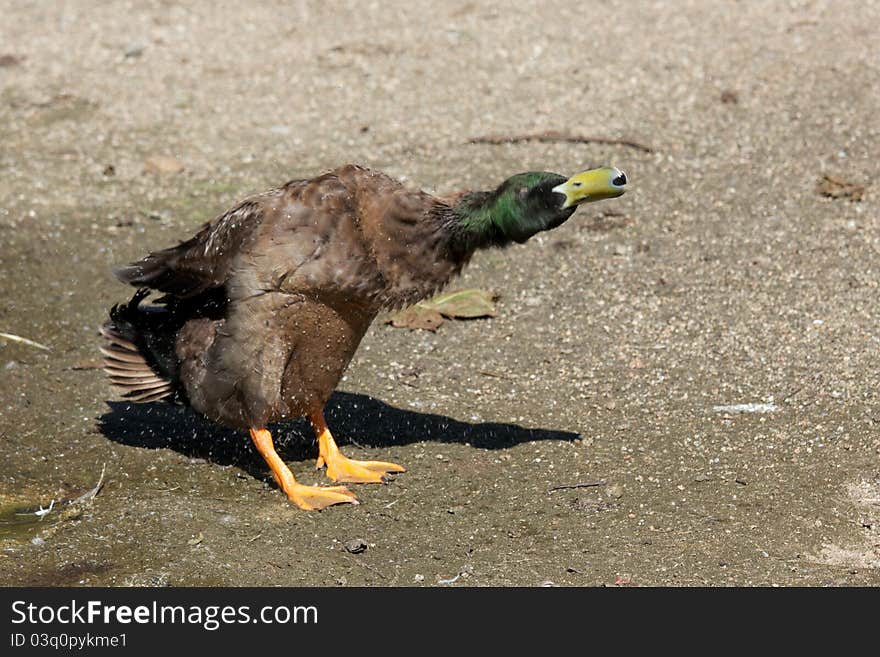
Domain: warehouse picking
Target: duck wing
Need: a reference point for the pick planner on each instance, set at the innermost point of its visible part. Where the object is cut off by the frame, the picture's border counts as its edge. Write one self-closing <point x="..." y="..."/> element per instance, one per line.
<point x="351" y="233"/>
<point x="201" y="262"/>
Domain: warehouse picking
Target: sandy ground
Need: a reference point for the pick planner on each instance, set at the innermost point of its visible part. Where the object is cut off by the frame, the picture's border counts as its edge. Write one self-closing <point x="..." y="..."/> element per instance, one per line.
<point x="722" y="278"/>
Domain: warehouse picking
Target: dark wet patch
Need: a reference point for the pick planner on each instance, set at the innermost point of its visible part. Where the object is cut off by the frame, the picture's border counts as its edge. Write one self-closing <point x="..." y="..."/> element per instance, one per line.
<point x="68" y="574"/>
<point x="19" y="522"/>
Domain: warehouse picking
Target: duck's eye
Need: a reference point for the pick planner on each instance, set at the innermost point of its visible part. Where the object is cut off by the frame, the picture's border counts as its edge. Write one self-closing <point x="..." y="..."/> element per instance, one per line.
<point x="620" y="180"/>
<point x="577" y="184"/>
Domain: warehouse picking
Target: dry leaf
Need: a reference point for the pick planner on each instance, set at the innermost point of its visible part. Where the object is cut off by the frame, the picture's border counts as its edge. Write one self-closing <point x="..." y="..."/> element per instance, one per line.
<point x="163" y="164"/>
<point x="835" y="187"/>
<point x="461" y="304"/>
<point x="416" y="317"/>
<point x="729" y="97"/>
<point x="7" y="60"/>
<point x="464" y="304"/>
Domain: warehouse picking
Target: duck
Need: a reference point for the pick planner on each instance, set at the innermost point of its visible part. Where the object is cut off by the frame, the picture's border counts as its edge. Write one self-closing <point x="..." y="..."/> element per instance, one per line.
<point x="262" y="310"/>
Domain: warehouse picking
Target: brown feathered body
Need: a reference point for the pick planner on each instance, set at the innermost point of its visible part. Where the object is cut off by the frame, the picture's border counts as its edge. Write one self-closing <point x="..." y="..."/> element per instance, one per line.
<point x="265" y="306"/>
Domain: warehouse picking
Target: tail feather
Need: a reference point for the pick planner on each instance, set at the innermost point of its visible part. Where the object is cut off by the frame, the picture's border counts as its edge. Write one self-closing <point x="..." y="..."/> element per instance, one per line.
<point x="117" y="340"/>
<point x="130" y="374"/>
<point x="152" y="396"/>
<point x="127" y="359"/>
<point x="122" y="356"/>
<point x="121" y="366"/>
<point x="140" y="342"/>
<point x="142" y="383"/>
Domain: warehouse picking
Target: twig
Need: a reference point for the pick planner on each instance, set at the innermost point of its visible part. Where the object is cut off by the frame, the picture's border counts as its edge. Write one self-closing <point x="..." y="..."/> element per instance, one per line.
<point x="76" y="367"/>
<point x="365" y="565"/>
<point x="792" y="394"/>
<point x="587" y="484"/>
<point x="356" y="443"/>
<point x="557" y="136"/>
<point x="88" y="495"/>
<point x="494" y="375"/>
<point x="166" y="490"/>
<point x="91" y="494"/>
<point x="451" y="580"/>
<point x="18" y="338"/>
<point x="797" y="24"/>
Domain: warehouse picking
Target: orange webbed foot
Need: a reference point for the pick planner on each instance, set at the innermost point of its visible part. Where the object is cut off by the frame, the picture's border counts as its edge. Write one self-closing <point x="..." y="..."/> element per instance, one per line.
<point x="309" y="498"/>
<point x="342" y="468"/>
<point x="314" y="498"/>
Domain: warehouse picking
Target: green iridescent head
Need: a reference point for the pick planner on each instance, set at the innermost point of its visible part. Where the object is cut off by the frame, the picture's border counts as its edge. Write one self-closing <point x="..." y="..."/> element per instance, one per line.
<point x="528" y="203"/>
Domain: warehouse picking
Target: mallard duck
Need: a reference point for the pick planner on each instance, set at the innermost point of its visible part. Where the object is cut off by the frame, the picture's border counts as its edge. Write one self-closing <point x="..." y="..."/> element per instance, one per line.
<point x="264" y="307"/>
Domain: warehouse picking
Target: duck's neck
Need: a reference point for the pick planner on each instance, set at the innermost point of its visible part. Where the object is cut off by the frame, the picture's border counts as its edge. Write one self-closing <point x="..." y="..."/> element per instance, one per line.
<point x="481" y="220"/>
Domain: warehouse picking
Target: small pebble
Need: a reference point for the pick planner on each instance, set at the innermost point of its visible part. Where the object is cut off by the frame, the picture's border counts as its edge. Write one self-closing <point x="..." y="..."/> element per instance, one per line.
<point x="615" y="491"/>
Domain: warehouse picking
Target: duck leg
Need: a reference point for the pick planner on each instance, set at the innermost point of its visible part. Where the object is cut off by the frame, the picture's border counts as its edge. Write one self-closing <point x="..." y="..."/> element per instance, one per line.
<point x="342" y="468"/>
<point x="309" y="498"/>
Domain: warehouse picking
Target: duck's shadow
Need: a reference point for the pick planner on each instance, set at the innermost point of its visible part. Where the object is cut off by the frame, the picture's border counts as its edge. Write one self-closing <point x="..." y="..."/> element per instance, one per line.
<point x="353" y="418"/>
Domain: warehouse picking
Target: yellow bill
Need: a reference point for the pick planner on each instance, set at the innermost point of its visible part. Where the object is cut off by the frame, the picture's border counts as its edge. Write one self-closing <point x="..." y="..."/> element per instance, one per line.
<point x="592" y="185"/>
